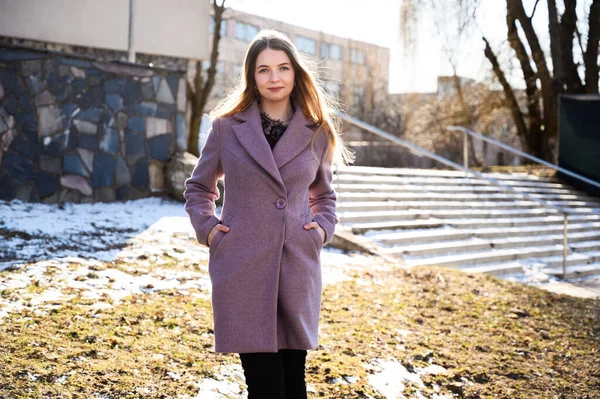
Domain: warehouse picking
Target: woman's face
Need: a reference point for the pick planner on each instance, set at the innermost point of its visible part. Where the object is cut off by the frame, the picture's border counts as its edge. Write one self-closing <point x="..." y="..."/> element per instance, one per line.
<point x="274" y="75"/>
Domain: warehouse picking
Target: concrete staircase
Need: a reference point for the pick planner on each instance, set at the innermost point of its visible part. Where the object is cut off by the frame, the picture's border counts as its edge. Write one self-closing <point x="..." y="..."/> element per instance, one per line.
<point x="441" y="217"/>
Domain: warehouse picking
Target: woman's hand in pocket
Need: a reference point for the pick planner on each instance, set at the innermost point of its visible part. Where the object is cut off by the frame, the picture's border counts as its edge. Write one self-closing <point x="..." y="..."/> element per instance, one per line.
<point x="218" y="227"/>
<point x="315" y="225"/>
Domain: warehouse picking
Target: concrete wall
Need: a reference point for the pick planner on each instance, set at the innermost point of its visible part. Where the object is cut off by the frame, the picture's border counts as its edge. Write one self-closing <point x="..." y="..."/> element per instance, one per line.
<point x="177" y="28"/>
<point x="174" y="28"/>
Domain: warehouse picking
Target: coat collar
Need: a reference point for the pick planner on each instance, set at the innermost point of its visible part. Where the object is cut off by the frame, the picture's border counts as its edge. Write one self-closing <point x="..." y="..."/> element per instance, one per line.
<point x="296" y="138"/>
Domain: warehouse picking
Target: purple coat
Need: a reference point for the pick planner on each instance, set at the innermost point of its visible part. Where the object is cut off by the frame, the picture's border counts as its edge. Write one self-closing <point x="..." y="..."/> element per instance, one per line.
<point x="266" y="271"/>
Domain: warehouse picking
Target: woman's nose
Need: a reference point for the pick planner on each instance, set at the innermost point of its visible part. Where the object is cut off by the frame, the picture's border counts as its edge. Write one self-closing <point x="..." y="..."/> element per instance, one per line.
<point x="274" y="77"/>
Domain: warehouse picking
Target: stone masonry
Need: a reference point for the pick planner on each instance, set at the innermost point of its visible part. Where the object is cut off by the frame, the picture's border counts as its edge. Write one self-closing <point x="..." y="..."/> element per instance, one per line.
<point x="77" y="130"/>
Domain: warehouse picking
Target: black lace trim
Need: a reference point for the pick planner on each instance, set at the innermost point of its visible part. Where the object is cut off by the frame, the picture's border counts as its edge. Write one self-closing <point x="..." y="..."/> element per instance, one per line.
<point x="273" y="128"/>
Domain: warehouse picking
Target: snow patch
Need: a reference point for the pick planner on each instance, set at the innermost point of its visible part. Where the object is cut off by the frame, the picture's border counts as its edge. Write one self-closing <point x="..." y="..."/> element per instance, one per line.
<point x="389" y="378"/>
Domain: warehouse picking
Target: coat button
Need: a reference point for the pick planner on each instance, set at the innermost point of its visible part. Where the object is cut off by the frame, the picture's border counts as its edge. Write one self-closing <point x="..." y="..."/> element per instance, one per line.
<point x="280" y="203"/>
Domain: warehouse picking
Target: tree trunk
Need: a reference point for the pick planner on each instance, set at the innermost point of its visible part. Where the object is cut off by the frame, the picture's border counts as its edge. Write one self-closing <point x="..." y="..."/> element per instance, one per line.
<point x="568" y="24"/>
<point x="590" y="58"/>
<point x="197" y="104"/>
<point x="515" y="7"/>
<point x="200" y="93"/>
<point x="509" y="93"/>
<point x="533" y="135"/>
<point x="555" y="44"/>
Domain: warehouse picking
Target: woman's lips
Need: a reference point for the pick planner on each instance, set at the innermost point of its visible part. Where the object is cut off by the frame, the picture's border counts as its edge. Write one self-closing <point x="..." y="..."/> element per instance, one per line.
<point x="275" y="88"/>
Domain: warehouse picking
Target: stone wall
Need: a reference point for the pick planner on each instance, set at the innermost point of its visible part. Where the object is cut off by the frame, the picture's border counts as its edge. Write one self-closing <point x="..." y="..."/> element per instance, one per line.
<point x="78" y="130"/>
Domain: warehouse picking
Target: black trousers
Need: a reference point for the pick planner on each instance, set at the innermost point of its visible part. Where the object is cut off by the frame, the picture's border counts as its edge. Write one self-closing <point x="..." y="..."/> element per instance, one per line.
<point x="275" y="375"/>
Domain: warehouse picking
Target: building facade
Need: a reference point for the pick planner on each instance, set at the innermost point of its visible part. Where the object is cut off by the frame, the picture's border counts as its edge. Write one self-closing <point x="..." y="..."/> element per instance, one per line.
<point x="356" y="72"/>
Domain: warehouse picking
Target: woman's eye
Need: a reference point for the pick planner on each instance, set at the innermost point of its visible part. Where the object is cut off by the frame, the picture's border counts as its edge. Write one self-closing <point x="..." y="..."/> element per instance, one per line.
<point x="285" y="68"/>
<point x="262" y="70"/>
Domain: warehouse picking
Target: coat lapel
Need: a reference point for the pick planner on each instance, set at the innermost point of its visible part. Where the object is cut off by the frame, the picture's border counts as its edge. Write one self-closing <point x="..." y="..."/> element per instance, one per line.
<point x="295" y="139"/>
<point x="250" y="135"/>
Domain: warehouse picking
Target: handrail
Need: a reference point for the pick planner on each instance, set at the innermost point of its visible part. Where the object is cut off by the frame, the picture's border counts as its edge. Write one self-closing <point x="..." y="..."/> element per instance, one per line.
<point x="422" y="151"/>
<point x="519" y="152"/>
<point x="443" y="160"/>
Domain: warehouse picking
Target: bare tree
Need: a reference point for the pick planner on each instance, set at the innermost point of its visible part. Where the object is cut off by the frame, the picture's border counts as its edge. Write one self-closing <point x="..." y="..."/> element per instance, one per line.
<point x="199" y="92"/>
<point x="428" y="115"/>
<point x="537" y="127"/>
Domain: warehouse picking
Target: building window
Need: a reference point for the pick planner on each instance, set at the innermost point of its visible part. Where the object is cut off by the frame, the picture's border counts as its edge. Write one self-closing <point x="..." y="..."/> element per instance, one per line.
<point x="335" y="52"/>
<point x="357" y="56"/>
<point x="211" y="26"/>
<point x="324" y="50"/>
<point x="306" y="45"/>
<point x="245" y="31"/>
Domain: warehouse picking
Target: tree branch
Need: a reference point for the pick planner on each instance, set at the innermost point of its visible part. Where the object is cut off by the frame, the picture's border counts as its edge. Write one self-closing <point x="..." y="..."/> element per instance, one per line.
<point x="529" y="75"/>
<point x="509" y="93"/>
<point x="214" y="56"/>
<point x="535" y="7"/>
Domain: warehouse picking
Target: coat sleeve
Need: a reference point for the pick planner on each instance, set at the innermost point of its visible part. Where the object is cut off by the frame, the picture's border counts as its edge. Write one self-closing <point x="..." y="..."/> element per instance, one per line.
<point x="201" y="190"/>
<point x="322" y="196"/>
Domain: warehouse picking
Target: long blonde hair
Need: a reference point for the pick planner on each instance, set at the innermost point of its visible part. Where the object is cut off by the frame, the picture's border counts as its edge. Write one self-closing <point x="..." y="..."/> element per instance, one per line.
<point x="315" y="102"/>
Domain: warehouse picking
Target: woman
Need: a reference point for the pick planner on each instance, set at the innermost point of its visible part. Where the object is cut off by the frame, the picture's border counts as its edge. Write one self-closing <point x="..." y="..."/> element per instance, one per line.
<point x="274" y="138"/>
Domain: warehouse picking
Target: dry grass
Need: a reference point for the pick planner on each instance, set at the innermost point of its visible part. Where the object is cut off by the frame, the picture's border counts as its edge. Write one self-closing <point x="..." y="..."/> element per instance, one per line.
<point x="497" y="339"/>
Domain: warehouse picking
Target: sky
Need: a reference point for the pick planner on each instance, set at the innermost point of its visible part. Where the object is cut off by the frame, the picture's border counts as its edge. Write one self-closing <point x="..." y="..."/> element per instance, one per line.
<point x="378" y="22"/>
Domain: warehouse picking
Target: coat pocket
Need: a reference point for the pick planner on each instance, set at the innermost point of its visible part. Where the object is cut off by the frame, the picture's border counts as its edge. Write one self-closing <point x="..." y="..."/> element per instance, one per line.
<point x="216" y="241"/>
<point x="316" y="238"/>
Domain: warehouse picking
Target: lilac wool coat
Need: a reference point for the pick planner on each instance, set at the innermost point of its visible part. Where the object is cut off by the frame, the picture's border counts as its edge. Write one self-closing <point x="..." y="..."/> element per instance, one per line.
<point x="265" y="272"/>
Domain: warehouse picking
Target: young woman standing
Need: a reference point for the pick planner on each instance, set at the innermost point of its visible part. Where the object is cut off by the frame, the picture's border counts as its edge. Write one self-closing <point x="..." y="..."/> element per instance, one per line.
<point x="274" y="139"/>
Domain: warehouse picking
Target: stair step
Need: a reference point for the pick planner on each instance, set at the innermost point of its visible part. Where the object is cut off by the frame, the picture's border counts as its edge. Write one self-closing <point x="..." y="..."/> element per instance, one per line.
<point x="375" y="170"/>
<point x="451" y="181"/>
<point x="594" y="255"/>
<point x="556" y="260"/>
<point x="497" y="269"/>
<point x="560" y="200"/>
<point x="378" y="216"/>
<point x="574" y="271"/>
<point x="342" y="187"/>
<point x="491" y="256"/>
<point x="501" y="236"/>
<point x="359" y="228"/>
<point x="436" y="248"/>
<point x="416" y="237"/>
<point x="576" y="231"/>
<point x="368" y="206"/>
<point x="351" y="217"/>
<point x="522" y="241"/>
<point x="585" y="246"/>
<point x="516" y="222"/>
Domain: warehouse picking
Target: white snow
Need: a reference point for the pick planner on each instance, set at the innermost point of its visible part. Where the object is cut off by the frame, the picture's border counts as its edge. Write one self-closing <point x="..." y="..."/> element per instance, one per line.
<point x="390" y="377"/>
<point x="65" y="249"/>
<point x="69" y="250"/>
<point x="229" y="383"/>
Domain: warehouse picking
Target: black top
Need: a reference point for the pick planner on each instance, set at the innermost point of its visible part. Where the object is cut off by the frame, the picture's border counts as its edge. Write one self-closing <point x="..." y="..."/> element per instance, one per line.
<point x="273" y="128"/>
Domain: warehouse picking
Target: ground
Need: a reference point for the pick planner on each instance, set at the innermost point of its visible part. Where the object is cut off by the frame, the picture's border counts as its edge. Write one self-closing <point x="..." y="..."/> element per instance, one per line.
<point x="113" y="301"/>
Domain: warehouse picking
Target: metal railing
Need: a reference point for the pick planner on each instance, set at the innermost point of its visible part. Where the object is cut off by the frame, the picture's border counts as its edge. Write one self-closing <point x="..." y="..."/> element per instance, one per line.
<point x="508" y="148"/>
<point x="465" y="168"/>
